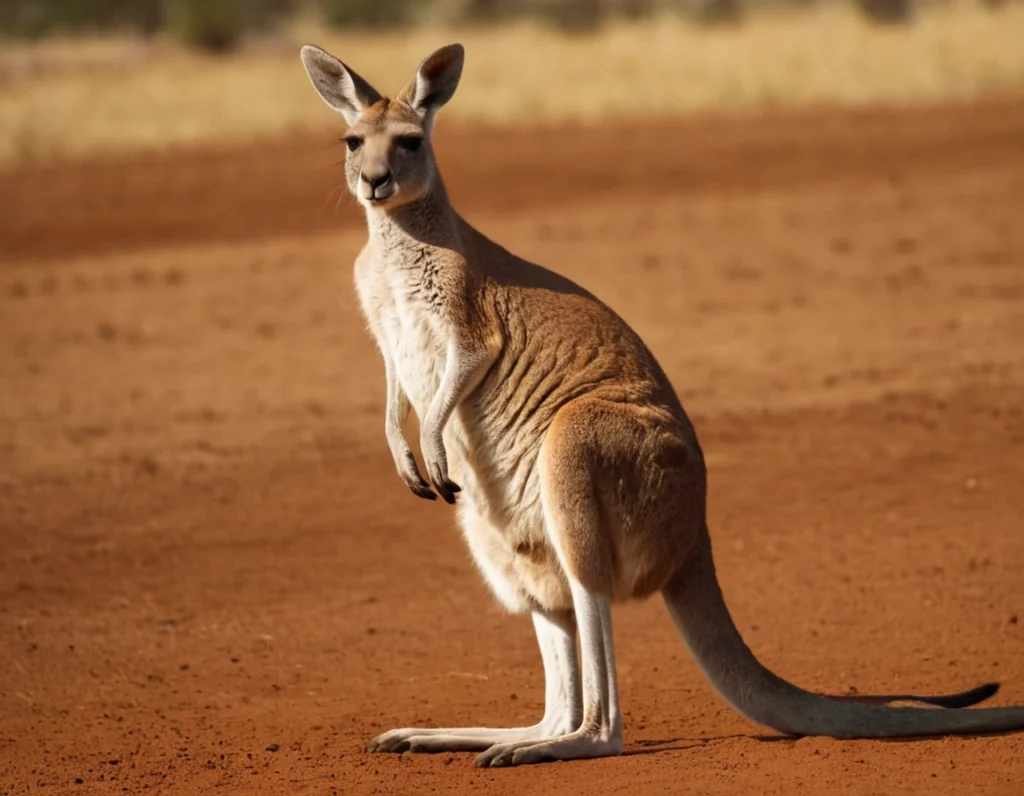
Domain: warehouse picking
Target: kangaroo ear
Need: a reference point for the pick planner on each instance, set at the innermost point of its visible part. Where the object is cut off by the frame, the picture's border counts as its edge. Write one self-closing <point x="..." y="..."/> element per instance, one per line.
<point x="435" y="82"/>
<point x="339" y="86"/>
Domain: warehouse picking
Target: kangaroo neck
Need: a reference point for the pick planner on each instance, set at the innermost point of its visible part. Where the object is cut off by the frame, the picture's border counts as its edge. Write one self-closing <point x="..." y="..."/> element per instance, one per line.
<point x="418" y="229"/>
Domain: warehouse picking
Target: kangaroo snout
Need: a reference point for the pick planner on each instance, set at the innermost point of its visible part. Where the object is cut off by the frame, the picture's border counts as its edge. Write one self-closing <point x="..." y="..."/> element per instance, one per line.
<point x="376" y="185"/>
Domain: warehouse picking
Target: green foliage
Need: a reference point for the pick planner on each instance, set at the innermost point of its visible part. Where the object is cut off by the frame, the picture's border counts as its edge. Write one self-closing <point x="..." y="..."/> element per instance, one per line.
<point x="35" y="18"/>
<point x="581" y="15"/>
<point x="562" y="14"/>
<point x="209" y="24"/>
<point x="572" y="15"/>
<point x="212" y="25"/>
<point x="219" y="25"/>
<point x="887" y="12"/>
<point x="373" y="14"/>
<point x="472" y="11"/>
<point x="720" y="12"/>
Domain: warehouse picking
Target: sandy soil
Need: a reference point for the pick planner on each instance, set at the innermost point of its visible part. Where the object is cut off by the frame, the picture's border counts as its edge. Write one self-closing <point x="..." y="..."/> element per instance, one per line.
<point x="212" y="580"/>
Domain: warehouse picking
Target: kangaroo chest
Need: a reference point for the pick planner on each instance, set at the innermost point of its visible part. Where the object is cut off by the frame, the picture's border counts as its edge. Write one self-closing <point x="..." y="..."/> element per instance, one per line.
<point x="500" y="504"/>
<point x="406" y="326"/>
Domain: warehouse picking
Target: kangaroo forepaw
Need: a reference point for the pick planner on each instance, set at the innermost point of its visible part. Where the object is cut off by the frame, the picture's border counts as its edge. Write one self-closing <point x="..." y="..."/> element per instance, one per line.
<point x="421" y="489"/>
<point x="410" y="474"/>
<point x="445" y="487"/>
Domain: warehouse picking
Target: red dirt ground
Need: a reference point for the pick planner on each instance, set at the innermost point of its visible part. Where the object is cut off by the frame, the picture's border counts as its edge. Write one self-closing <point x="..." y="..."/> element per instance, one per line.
<point x="212" y="580"/>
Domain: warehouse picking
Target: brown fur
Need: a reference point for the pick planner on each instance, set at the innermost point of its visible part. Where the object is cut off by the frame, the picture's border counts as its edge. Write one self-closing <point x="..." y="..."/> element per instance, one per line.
<point x="582" y="481"/>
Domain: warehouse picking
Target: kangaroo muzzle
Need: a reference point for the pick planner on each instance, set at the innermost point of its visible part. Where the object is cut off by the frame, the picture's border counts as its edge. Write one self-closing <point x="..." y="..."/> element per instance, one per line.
<point x="376" y="186"/>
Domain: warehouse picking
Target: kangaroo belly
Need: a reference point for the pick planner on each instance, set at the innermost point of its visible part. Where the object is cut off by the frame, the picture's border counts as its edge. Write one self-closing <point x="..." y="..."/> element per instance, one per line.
<point x="516" y="561"/>
<point x="500" y="510"/>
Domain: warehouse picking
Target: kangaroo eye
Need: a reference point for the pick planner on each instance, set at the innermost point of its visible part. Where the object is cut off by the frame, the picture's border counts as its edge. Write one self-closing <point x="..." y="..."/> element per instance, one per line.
<point x="410" y="143"/>
<point x="353" y="142"/>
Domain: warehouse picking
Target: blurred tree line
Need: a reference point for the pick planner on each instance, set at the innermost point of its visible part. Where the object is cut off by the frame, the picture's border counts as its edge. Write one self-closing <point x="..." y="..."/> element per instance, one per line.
<point x="219" y="25"/>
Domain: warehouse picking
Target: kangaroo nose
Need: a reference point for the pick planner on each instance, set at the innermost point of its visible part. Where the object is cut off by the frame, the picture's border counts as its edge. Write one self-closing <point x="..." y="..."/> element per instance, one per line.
<point x="376" y="181"/>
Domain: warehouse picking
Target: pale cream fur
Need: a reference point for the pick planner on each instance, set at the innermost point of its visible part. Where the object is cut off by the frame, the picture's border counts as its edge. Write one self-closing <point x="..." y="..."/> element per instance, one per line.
<point x="578" y="475"/>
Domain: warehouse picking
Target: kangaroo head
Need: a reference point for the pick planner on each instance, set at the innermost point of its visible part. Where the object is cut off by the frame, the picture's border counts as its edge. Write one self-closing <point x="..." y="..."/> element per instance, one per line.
<point x="390" y="160"/>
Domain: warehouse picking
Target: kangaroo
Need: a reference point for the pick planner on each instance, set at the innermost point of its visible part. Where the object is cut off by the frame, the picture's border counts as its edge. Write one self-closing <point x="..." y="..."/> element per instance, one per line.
<point x="578" y="477"/>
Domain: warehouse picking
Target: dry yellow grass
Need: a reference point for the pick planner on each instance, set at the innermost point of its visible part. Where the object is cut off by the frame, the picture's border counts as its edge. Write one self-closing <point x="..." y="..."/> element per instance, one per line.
<point x="78" y="97"/>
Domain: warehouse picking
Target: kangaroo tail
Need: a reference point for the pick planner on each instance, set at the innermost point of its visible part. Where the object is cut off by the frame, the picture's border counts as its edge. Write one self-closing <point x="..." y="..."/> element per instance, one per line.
<point x="695" y="601"/>
<point x="962" y="699"/>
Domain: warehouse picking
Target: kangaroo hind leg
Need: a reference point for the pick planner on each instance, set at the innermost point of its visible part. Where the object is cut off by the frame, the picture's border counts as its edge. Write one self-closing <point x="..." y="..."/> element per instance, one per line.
<point x="572" y="517"/>
<point x="556" y="636"/>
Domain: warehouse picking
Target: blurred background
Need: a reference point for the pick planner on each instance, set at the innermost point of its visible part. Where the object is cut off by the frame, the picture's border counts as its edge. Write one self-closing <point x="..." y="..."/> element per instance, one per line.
<point x="84" y="75"/>
<point x="211" y="578"/>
